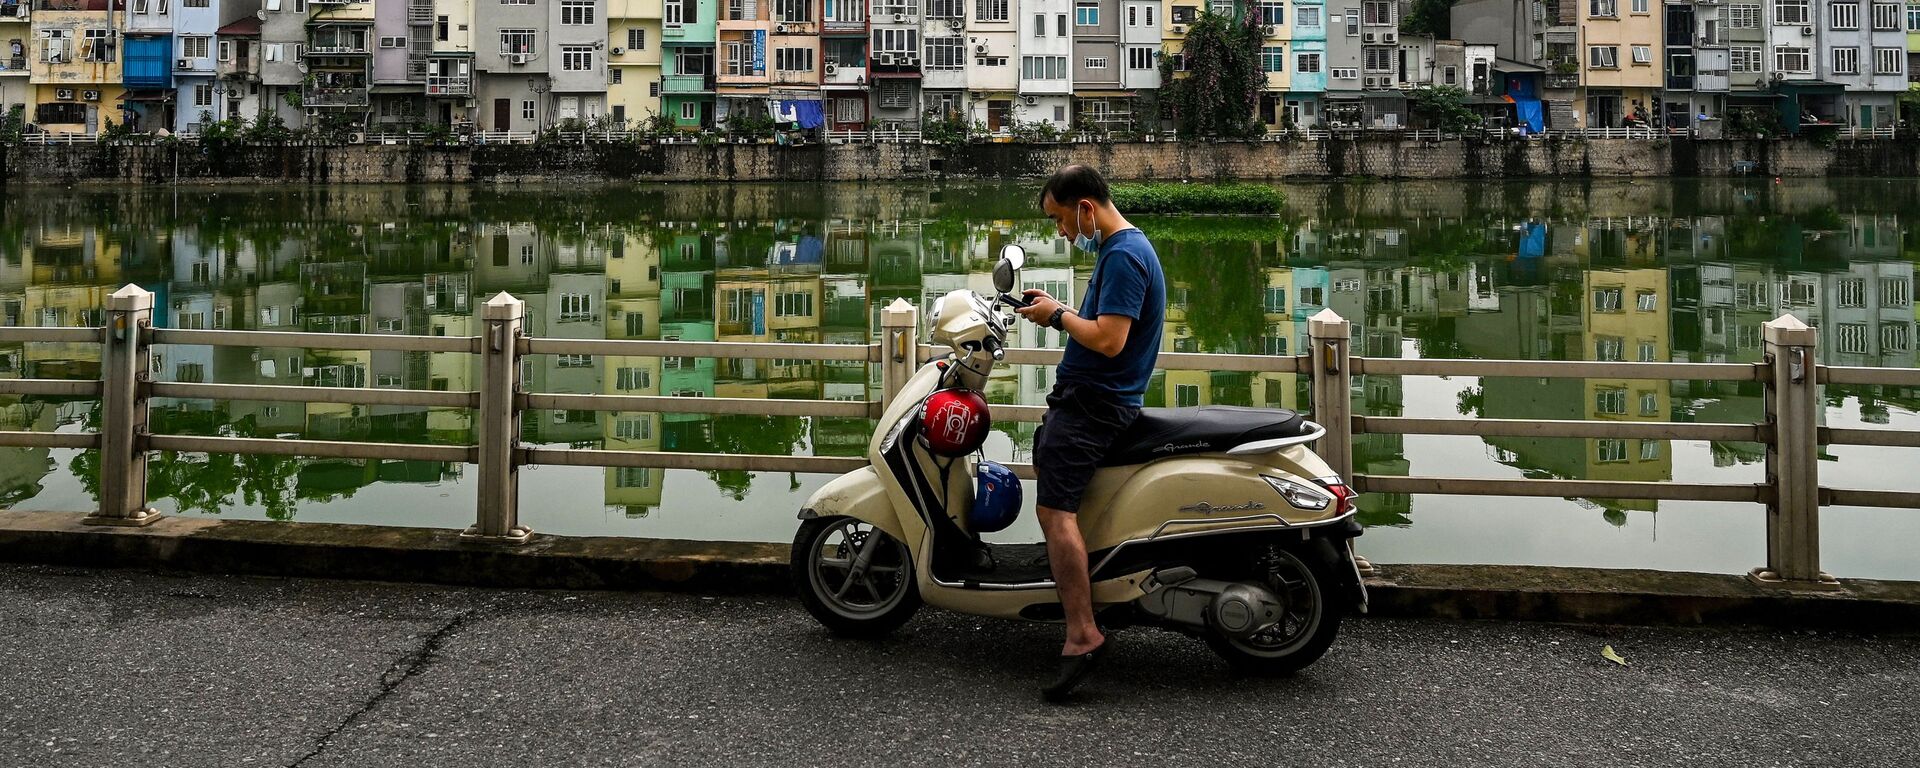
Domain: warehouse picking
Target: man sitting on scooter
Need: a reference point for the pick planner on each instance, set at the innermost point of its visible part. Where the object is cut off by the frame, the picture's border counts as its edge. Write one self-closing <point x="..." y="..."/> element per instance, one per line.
<point x="1112" y="342"/>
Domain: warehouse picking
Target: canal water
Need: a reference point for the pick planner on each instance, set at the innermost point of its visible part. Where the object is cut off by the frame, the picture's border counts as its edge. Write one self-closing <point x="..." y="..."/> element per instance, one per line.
<point x="1577" y="270"/>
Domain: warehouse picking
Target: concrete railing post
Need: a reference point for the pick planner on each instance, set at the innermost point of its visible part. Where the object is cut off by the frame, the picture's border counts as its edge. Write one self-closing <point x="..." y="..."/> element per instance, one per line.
<point x="1329" y="338"/>
<point x="899" y="347"/>
<point x="498" y="507"/>
<point x="1793" y="460"/>
<point x="124" y="362"/>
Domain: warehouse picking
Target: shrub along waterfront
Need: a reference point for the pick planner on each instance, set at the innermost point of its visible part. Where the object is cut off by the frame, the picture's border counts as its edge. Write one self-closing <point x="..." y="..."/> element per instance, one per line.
<point x="1165" y="198"/>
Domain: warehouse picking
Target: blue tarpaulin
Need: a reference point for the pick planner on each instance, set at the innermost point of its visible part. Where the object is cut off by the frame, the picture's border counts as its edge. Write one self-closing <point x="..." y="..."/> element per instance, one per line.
<point x="1533" y="239"/>
<point x="1530" y="114"/>
<point x="807" y="113"/>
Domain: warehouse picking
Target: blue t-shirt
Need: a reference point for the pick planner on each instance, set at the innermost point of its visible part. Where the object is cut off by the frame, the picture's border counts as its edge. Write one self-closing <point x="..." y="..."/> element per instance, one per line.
<point x="1126" y="281"/>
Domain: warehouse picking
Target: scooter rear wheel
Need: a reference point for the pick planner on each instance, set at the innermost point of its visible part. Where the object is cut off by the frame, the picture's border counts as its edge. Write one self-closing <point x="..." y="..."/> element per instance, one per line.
<point x="853" y="577"/>
<point x="1304" y="578"/>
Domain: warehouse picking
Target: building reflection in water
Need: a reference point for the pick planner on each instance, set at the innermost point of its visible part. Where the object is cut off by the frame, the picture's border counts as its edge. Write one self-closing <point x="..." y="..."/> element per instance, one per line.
<point x="1571" y="272"/>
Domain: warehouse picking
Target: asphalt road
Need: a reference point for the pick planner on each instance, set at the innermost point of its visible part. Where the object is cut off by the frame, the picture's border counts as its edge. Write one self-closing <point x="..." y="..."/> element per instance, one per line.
<point x="127" y="668"/>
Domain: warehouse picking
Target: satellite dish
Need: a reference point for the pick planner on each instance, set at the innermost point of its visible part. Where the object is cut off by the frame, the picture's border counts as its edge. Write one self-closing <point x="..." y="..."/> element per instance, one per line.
<point x="260" y="14"/>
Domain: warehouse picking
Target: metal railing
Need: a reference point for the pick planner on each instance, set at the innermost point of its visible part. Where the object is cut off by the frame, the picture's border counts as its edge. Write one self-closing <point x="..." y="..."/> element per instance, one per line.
<point x="1790" y="428"/>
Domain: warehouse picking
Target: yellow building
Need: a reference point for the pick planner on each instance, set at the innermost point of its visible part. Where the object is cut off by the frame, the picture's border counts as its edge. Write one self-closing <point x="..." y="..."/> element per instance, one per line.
<point x="75" y="63"/>
<point x="1276" y="60"/>
<point x="1627" y="320"/>
<point x="633" y="312"/>
<point x="1279" y="390"/>
<point x="1620" y="60"/>
<point x="16" y="82"/>
<point x="633" y="63"/>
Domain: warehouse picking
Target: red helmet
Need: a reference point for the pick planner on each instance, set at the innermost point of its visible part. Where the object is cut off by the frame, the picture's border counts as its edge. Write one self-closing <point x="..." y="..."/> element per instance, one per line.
<point x="955" y="421"/>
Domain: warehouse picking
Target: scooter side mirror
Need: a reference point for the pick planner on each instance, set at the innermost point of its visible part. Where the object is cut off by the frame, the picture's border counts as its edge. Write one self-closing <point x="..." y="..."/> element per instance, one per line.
<point x="1006" y="273"/>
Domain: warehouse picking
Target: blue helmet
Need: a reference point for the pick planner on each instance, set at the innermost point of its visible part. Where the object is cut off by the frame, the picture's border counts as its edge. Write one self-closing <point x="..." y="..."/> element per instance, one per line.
<point x="996" y="498"/>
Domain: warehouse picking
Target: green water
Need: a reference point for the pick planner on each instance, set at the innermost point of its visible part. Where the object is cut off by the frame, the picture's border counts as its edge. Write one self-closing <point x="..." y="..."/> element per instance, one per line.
<point x="1682" y="270"/>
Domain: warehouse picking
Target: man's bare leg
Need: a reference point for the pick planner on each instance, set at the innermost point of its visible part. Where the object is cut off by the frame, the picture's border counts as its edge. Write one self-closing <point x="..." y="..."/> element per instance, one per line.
<point x="1067" y="554"/>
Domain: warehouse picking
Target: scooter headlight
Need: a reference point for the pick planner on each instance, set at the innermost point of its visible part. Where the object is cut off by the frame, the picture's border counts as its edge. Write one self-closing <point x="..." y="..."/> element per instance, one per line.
<point x="1298" y="495"/>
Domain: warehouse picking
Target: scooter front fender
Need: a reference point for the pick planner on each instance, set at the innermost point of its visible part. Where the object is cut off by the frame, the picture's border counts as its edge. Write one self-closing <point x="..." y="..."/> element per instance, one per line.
<point x="860" y="495"/>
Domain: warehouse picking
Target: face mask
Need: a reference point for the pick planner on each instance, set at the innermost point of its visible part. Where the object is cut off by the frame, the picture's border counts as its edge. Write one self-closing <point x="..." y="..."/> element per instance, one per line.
<point x="1082" y="241"/>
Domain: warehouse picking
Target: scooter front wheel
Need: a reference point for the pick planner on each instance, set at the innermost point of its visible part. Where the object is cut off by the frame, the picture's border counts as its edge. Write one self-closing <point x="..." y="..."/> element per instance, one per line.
<point x="1303" y="579"/>
<point x="853" y="577"/>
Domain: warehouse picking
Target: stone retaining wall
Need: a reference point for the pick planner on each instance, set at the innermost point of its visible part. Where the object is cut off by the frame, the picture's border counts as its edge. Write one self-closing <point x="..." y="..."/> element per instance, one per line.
<point x="883" y="162"/>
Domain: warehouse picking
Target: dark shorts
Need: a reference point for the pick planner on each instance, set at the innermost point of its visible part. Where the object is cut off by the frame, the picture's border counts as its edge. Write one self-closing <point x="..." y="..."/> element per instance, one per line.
<point x="1081" y="424"/>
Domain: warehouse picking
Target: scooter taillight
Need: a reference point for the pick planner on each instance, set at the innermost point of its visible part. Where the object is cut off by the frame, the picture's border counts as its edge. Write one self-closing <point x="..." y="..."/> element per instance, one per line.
<point x="1340" y="492"/>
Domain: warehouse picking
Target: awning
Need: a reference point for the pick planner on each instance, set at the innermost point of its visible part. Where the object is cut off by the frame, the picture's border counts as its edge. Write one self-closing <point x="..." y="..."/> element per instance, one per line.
<point x="807" y="113"/>
<point x="1808" y="88"/>
<point x="163" y="95"/>
<point x="245" y="27"/>
<point x="741" y="90"/>
<point x="1509" y="65"/>
<point x="1104" y="94"/>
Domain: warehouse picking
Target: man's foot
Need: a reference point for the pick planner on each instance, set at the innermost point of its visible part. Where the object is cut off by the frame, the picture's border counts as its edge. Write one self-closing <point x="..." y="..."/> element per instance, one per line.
<point x="1073" y="671"/>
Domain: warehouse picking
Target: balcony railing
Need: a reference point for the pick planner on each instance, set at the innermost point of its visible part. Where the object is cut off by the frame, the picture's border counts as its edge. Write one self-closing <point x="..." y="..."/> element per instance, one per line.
<point x="1563" y="81"/>
<point x="420" y="14"/>
<point x="687" y="84"/>
<point x="336" y="97"/>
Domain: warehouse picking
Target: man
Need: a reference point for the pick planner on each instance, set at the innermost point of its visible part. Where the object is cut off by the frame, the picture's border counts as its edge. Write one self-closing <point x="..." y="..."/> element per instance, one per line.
<point x="1112" y="342"/>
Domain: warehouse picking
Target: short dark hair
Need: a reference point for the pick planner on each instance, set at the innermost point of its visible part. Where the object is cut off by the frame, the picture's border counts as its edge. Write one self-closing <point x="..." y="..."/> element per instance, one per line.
<point x="1074" y="183"/>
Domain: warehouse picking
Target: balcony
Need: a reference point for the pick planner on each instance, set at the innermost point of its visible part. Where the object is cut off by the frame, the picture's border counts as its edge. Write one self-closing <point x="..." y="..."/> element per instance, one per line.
<point x="335" y="97"/>
<point x="420" y="13"/>
<point x="1563" y="81"/>
<point x="13" y="11"/>
<point x="1712" y="82"/>
<point x="686" y="84"/>
<point x="838" y="74"/>
<point x="449" y="85"/>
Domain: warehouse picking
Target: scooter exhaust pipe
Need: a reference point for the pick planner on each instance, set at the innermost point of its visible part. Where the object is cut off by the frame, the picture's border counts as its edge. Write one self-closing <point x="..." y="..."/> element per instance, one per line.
<point x="1237" y="609"/>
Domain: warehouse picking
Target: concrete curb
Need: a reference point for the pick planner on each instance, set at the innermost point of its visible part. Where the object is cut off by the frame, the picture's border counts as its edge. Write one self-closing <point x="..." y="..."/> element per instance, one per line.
<point x="1583" y="595"/>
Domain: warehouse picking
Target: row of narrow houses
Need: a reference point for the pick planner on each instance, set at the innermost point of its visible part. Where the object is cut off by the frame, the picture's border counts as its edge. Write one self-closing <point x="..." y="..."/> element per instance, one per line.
<point x="1713" y="66"/>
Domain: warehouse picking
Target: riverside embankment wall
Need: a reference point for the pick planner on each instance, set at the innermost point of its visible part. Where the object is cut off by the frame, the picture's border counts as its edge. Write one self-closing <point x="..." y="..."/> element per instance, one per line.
<point x="1382" y="158"/>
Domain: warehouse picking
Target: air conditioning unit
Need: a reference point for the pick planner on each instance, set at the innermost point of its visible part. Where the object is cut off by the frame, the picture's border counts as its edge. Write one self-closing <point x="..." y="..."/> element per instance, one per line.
<point x="1029" y="100"/>
<point x="183" y="64"/>
<point x="519" y="58"/>
<point x="779" y="29"/>
<point x="980" y="48"/>
<point x="1806" y="31"/>
<point x="956" y="23"/>
<point x="63" y="94"/>
<point x="356" y="138"/>
<point x="90" y="95"/>
<point x="887" y="59"/>
<point x="1367" y="38"/>
<point x="619" y="51"/>
<point x="1370" y="83"/>
<point x="899" y="18"/>
<point x="1179" y="30"/>
<point x="831" y="68"/>
<point x="1267" y="30"/>
<point x="1389" y="37"/>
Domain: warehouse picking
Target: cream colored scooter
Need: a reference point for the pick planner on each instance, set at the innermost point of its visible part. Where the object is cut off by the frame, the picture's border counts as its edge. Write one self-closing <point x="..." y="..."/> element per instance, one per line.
<point x="1213" y="521"/>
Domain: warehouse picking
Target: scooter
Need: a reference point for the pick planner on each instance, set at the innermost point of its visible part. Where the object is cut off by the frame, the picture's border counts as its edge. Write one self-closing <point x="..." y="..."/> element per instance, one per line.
<point x="1217" y="522"/>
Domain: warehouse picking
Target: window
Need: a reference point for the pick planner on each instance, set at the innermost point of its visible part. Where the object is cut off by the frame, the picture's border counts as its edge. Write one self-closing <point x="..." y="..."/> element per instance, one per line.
<point x="689" y="111"/>
<point x="1139" y="57"/>
<point x="1043" y="67"/>
<point x="1379" y="13"/>
<point x="1307" y="17"/>
<point x="1791" y="59"/>
<point x="1649" y="352"/>
<point x="1846" y="61"/>
<point x="440" y="29"/>
<point x="946" y="52"/>
<point x="1273" y="58"/>
<point x="1608" y="349"/>
<point x="1344" y="73"/>
<point x="194" y="47"/>
<point x="1894" y="337"/>
<point x="1086" y="14"/>
<point x="793" y="304"/>
<point x="1642" y="54"/>
<point x="576" y="58"/>
<point x="1645" y="301"/>
<point x="895" y="94"/>
<point x="97" y="45"/>
<point x="203" y="95"/>
<point x="1379" y="59"/>
<point x="942" y="9"/>
<point x="896" y="41"/>
<point x="614" y="76"/>
<point x="1353" y="23"/>
<point x="1639" y="6"/>
<point x="1610" y="400"/>
<point x="1186" y="395"/>
<point x="1183" y="14"/>
<point x="990" y="10"/>
<point x="1844" y="15"/>
<point x="526" y="109"/>
<point x="990" y="61"/>
<point x="793" y="59"/>
<point x="1743" y="16"/>
<point x="653" y="90"/>
<point x="1039" y="25"/>
<point x="576" y="11"/>
<point x="849" y="111"/>
<point x="633" y="429"/>
<point x="517" y="41"/>
<point x="1094" y="62"/>
<point x="1603" y="57"/>
<point x="1853" y="338"/>
<point x="1315" y="296"/>
<point x="1913" y="18"/>
<point x="636" y="38"/>
<point x="680" y="12"/>
<point x="1886" y="61"/>
<point x="1790" y="12"/>
<point x="193" y="4"/>
<point x="1140" y="16"/>
<point x="1060" y="29"/>
<point x="1886" y="16"/>
<point x="1602" y="8"/>
<point x="1895" y="292"/>
<point x="1606" y="300"/>
<point x="634" y="378"/>
<point x="1273" y="13"/>
<point x="1745" y="58"/>
<point x="797" y="10"/>
<point x="1649" y="450"/>
<point x="576" y="306"/>
<point x="516" y="2"/>
<point x="1853" y="292"/>
<point x="1307" y="63"/>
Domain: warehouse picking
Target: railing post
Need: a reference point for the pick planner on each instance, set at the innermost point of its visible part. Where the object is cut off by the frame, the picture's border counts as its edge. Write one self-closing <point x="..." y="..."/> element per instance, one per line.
<point x="899" y="347"/>
<point x="498" y="507"/>
<point x="1793" y="460"/>
<point x="124" y="357"/>
<point x="1329" y="337"/>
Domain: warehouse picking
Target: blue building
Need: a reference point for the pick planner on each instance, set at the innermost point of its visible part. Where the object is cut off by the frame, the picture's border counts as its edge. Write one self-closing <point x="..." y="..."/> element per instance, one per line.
<point x="148" y="73"/>
<point x="172" y="60"/>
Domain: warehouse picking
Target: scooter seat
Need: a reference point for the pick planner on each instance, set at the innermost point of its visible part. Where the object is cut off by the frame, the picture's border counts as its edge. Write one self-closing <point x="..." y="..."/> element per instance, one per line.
<point x="1162" y="432"/>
